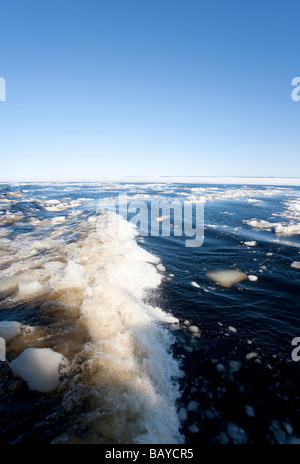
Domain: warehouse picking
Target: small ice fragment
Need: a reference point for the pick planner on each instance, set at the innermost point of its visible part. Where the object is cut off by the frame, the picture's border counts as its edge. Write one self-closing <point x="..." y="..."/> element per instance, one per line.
<point x="293" y="441"/>
<point x="223" y="438"/>
<point x="250" y="411"/>
<point x="209" y="414"/>
<point x="252" y="278"/>
<point x="53" y="266"/>
<point x="193" y="428"/>
<point x="186" y="322"/>
<point x="194" y="329"/>
<point x="237" y="433"/>
<point x="182" y="414"/>
<point x="269" y="254"/>
<point x="227" y="278"/>
<point x="192" y="406"/>
<point x="11" y="283"/>
<point x="235" y="365"/>
<point x="161" y="218"/>
<point x="296" y="265"/>
<point x="39" y="367"/>
<point x="251" y="355"/>
<point x="250" y="243"/>
<point x="161" y="268"/>
<point x="171" y="275"/>
<point x="189" y="349"/>
<point x="220" y="368"/>
<point x="232" y="329"/>
<point x="289" y="429"/>
<point x="2" y="349"/>
<point x="30" y="288"/>
<point x="195" y="284"/>
<point x="174" y="327"/>
<point x="9" y="329"/>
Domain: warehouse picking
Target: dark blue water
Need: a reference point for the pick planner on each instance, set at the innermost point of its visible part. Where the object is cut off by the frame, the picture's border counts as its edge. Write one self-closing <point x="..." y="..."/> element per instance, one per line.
<point x="226" y="396"/>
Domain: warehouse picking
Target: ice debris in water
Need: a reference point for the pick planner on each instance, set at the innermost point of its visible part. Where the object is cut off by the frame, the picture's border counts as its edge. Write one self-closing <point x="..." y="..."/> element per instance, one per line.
<point x="236" y="432"/>
<point x="235" y="365"/>
<point x="11" y="283"/>
<point x="195" y="284"/>
<point x="182" y="414"/>
<point x="228" y="277"/>
<point x="252" y="278"/>
<point x="194" y="329"/>
<point x="2" y="349"/>
<point x="53" y="266"/>
<point x="161" y="218"/>
<point x="9" y="329"/>
<point x="220" y="368"/>
<point x="296" y="265"/>
<point x="250" y="411"/>
<point x="30" y="288"/>
<point x="39" y="367"/>
<point x="251" y="355"/>
<point x="193" y="428"/>
<point x="286" y="230"/>
<point x="250" y="243"/>
<point x="232" y="329"/>
<point x="192" y="406"/>
<point x="161" y="268"/>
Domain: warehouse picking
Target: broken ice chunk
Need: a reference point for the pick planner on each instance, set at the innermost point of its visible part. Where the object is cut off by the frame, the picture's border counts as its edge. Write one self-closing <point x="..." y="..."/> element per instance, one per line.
<point x="227" y="278"/>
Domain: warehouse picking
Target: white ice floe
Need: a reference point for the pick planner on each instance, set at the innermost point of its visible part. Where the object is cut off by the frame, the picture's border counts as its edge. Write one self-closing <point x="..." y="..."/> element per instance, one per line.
<point x="192" y="406"/>
<point x="30" y="288"/>
<point x="235" y="365"/>
<point x="251" y="355"/>
<point x="11" y="283"/>
<point x="195" y="284"/>
<point x="250" y="243"/>
<point x="2" y="349"/>
<point x="280" y="228"/>
<point x="161" y="268"/>
<point x="182" y="414"/>
<point x="232" y="329"/>
<point x="52" y="266"/>
<point x="161" y="218"/>
<point x="250" y="411"/>
<point x="237" y="433"/>
<point x="194" y="329"/>
<point x="286" y="230"/>
<point x="39" y="367"/>
<point x="252" y="278"/>
<point x="9" y="329"/>
<point x="228" y="277"/>
<point x="193" y="428"/>
<point x="296" y="265"/>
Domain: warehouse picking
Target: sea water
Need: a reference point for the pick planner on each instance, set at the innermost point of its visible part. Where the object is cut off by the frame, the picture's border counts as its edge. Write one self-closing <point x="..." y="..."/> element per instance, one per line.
<point x="127" y="338"/>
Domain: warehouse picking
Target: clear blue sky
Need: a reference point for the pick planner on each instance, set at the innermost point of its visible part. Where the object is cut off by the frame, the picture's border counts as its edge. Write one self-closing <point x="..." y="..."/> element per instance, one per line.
<point x="149" y="87"/>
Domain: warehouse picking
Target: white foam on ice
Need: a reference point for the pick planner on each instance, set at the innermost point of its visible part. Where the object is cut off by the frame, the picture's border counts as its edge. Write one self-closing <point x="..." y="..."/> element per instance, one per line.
<point x="39" y="367"/>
